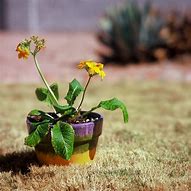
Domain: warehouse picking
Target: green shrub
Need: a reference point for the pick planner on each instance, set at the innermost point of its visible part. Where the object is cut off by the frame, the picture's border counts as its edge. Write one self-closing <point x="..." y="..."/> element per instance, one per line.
<point x="134" y="33"/>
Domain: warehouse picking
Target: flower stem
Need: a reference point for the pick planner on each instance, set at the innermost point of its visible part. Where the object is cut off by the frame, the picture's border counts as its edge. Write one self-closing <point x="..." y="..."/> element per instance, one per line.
<point x="78" y="109"/>
<point x="88" y="112"/>
<point x="45" y="82"/>
<point x="80" y="117"/>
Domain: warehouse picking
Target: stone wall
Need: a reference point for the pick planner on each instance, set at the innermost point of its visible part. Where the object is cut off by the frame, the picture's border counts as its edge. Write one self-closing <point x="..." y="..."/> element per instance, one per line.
<point x="57" y="15"/>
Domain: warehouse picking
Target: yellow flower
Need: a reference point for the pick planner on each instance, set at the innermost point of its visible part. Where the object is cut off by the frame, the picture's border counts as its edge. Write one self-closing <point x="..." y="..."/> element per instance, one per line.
<point x="23" y="52"/>
<point x="82" y="65"/>
<point x="92" y="68"/>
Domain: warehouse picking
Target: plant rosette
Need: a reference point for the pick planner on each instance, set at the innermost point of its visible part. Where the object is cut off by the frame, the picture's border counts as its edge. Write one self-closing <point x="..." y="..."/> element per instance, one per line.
<point x="67" y="134"/>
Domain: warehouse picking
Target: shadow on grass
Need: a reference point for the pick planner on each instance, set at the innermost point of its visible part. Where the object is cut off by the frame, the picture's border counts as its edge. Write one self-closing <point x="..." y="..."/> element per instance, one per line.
<point x="18" y="162"/>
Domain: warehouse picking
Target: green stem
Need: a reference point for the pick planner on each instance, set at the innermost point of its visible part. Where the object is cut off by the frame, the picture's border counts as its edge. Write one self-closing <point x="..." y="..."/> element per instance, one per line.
<point x="44" y="80"/>
<point x="88" y="112"/>
<point x="78" y="109"/>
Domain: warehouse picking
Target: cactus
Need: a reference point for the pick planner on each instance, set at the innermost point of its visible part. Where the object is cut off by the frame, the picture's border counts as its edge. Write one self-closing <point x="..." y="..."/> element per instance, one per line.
<point x="120" y="31"/>
<point x="132" y="33"/>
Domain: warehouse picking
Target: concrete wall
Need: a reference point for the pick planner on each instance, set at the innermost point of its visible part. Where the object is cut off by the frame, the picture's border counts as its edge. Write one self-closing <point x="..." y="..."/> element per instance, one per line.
<point x="56" y="15"/>
<point x="16" y="14"/>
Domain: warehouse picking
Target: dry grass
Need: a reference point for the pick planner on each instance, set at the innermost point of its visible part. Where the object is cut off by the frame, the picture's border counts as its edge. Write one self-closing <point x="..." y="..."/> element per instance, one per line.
<point x="151" y="152"/>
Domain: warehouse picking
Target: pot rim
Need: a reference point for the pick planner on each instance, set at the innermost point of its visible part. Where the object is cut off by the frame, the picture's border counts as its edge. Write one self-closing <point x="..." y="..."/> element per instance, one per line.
<point x="77" y="125"/>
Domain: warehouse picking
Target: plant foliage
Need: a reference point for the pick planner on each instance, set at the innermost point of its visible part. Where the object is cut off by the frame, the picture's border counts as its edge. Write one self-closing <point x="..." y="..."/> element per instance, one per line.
<point x="62" y="135"/>
<point x="58" y="124"/>
<point x="75" y="89"/>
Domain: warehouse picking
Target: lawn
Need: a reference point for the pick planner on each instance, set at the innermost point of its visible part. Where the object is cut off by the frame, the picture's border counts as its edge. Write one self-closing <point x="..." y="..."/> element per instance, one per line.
<point x="151" y="152"/>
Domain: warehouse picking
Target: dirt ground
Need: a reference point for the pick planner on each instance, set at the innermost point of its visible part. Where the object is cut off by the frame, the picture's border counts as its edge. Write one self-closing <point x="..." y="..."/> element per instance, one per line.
<point x="151" y="153"/>
<point x="64" y="50"/>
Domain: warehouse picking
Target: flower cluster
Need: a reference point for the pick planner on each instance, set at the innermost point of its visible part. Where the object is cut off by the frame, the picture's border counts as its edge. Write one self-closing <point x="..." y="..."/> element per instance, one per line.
<point x="38" y="43"/>
<point x="92" y="68"/>
<point x="23" y="50"/>
<point x="24" y="47"/>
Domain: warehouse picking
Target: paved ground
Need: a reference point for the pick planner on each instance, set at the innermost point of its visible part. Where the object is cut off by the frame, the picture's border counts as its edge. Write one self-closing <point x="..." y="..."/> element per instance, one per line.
<point x="65" y="50"/>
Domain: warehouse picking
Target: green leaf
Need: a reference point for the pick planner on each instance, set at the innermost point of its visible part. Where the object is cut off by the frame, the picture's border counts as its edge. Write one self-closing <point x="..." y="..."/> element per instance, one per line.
<point x="39" y="115"/>
<point x="75" y="89"/>
<point x="54" y="88"/>
<point x="114" y="104"/>
<point x="62" y="137"/>
<point x="36" y="112"/>
<point x="44" y="95"/>
<point x="37" y="135"/>
<point x="64" y="109"/>
<point x="41" y="94"/>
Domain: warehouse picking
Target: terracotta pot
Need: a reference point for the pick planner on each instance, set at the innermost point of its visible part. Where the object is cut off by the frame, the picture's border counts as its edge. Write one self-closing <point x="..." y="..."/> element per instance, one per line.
<point x="85" y="143"/>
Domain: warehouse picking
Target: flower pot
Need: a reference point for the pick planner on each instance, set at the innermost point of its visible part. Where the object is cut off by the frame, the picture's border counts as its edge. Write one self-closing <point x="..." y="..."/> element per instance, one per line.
<point x="85" y="143"/>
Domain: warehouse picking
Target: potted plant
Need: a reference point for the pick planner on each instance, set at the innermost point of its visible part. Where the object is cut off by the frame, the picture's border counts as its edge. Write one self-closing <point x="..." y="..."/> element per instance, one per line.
<point x="66" y="134"/>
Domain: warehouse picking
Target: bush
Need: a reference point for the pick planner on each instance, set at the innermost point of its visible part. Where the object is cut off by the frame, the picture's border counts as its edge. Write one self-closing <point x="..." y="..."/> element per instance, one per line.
<point x="135" y="34"/>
